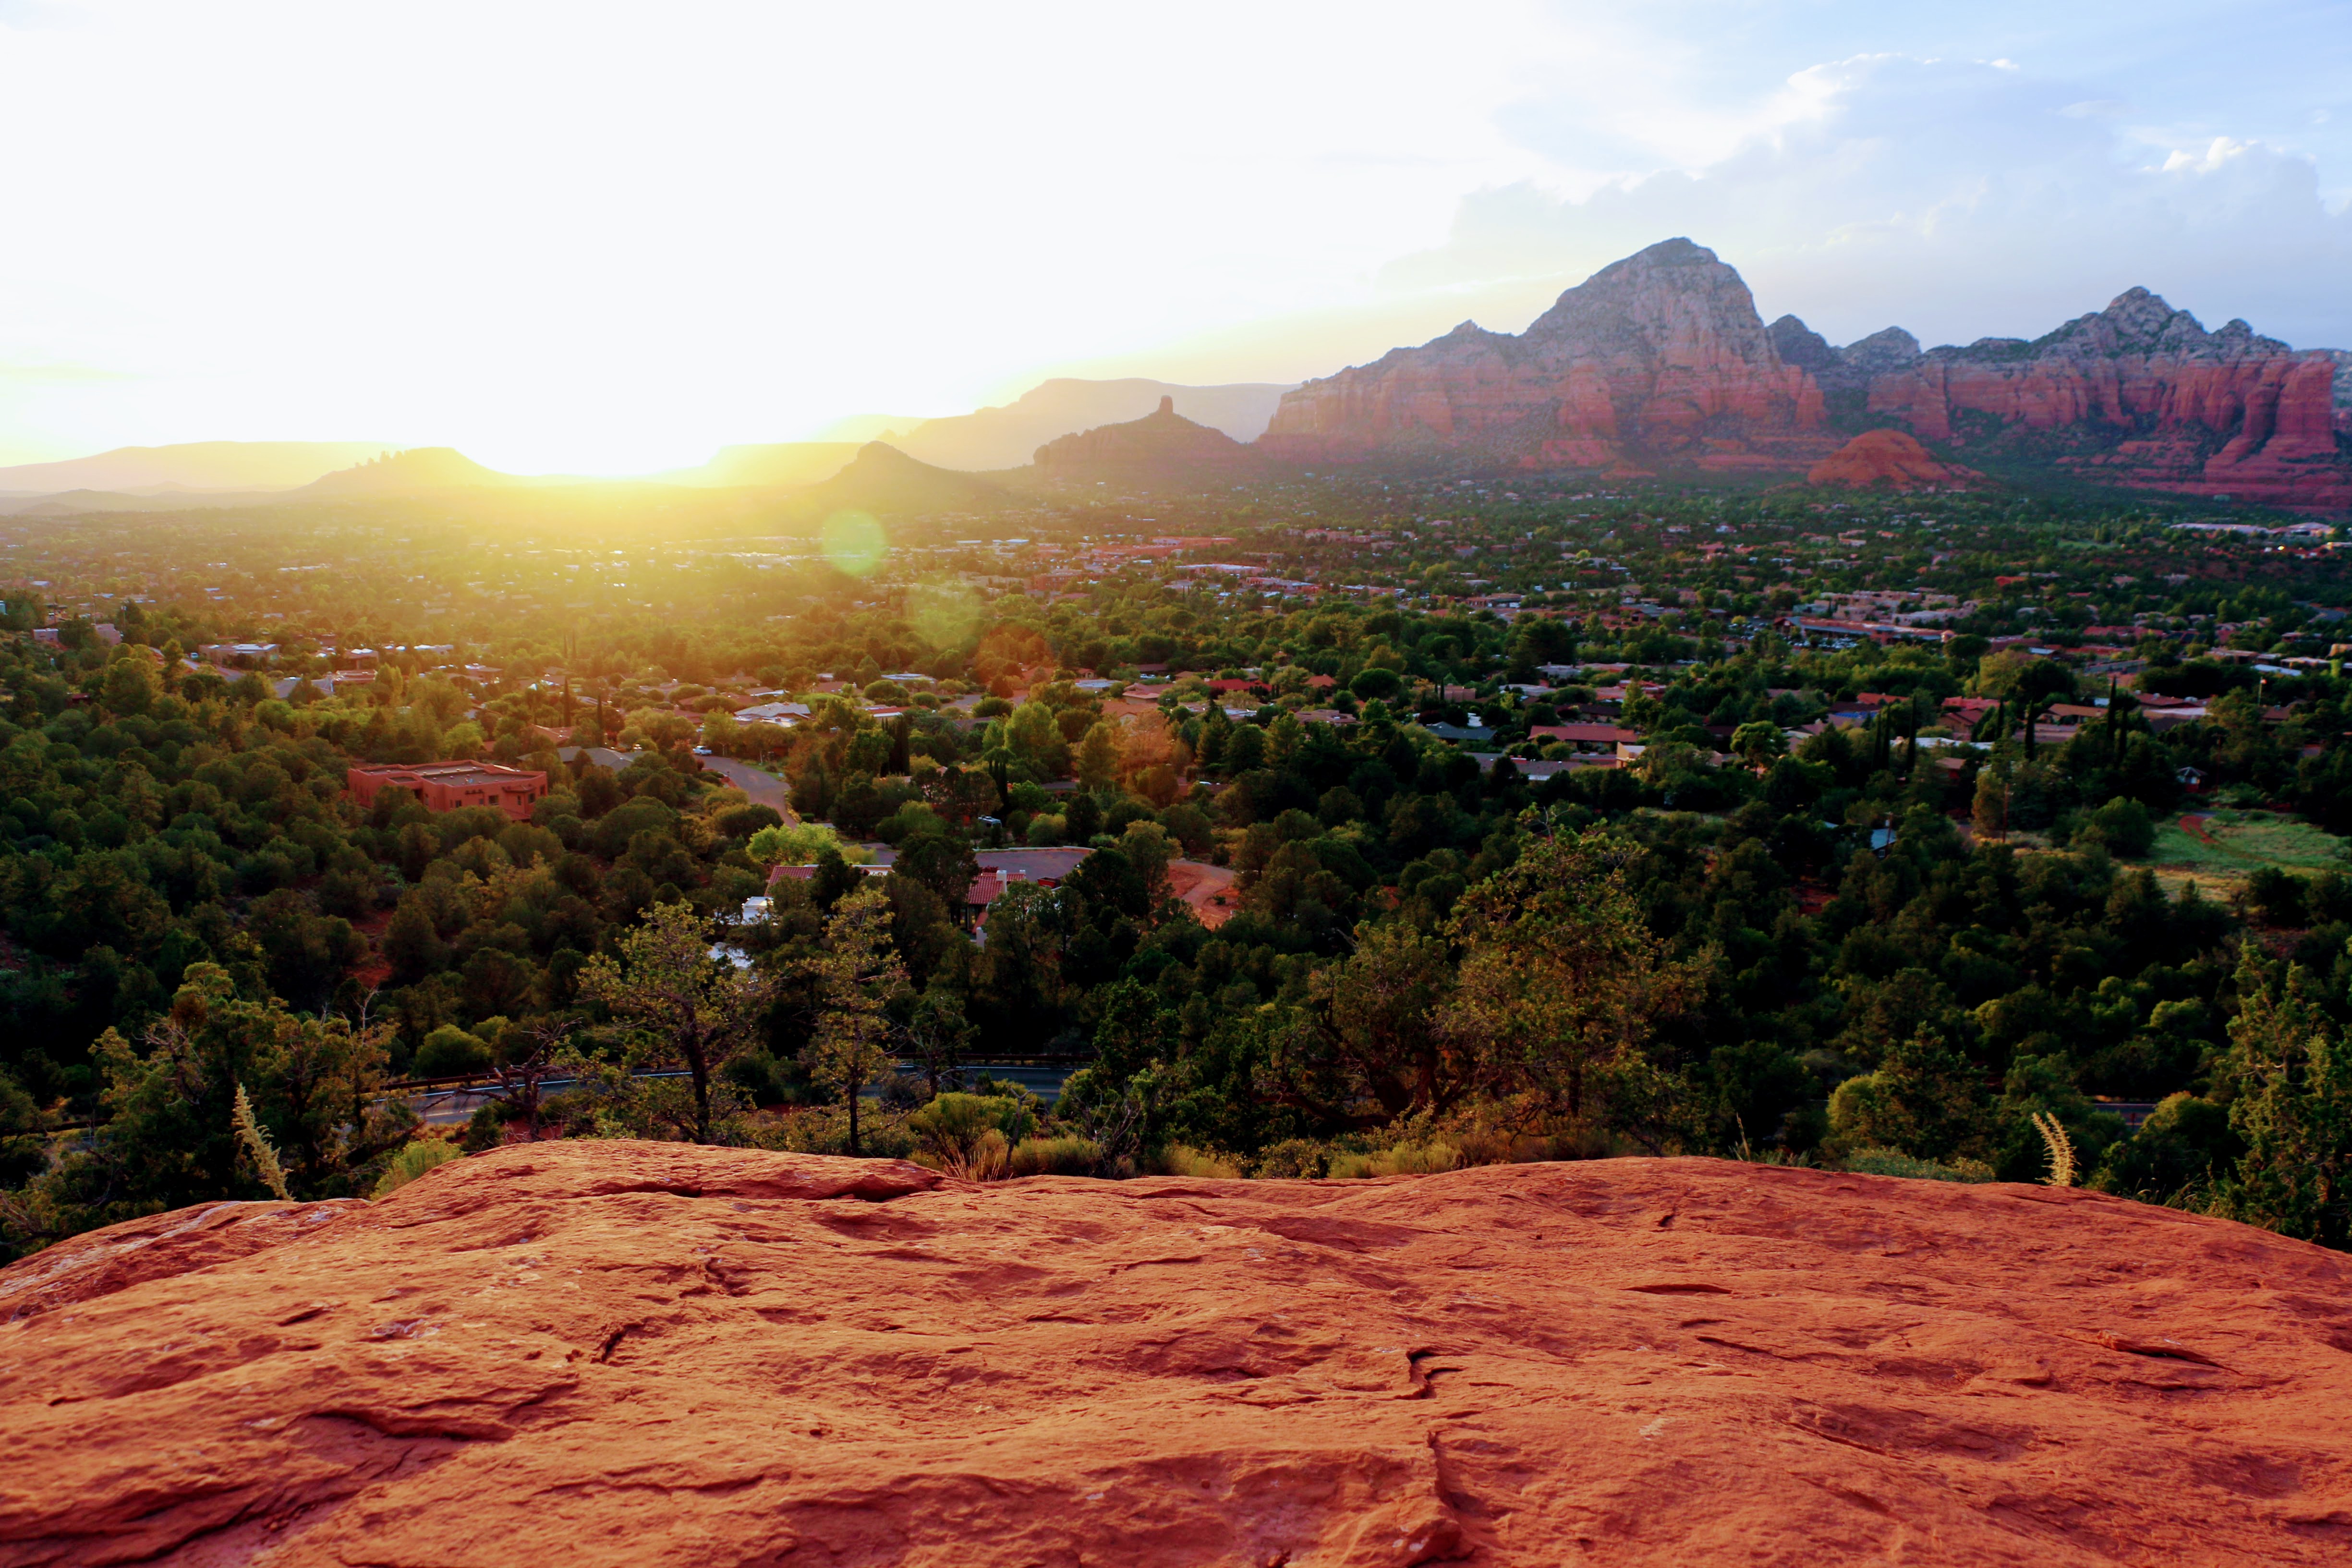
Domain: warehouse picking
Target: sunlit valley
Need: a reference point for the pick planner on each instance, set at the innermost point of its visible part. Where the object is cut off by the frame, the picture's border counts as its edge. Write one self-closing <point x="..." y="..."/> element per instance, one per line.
<point x="1706" y="918"/>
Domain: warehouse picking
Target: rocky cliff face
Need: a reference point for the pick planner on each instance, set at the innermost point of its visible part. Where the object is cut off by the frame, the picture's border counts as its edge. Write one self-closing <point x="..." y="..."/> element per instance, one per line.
<point x="1660" y="358"/>
<point x="1163" y="448"/>
<point x="627" y="1353"/>
<point x="2141" y="395"/>
<point x="1661" y="361"/>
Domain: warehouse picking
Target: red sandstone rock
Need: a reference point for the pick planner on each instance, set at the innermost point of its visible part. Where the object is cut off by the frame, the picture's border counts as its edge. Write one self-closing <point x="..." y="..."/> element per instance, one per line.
<point x="628" y="1353"/>
<point x="1889" y="459"/>
<point x="1659" y="356"/>
<point x="1660" y="362"/>
<point x="2145" y="397"/>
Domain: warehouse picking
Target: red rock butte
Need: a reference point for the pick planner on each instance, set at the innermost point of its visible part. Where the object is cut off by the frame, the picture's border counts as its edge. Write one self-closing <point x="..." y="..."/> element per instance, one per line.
<point x="1162" y="447"/>
<point x="1660" y="363"/>
<point x="1888" y="459"/>
<point x="1660" y="356"/>
<point x="612" y="1352"/>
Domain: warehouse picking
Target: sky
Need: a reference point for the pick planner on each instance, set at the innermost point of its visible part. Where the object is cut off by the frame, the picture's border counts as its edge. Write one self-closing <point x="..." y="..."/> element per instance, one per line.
<point x="604" y="238"/>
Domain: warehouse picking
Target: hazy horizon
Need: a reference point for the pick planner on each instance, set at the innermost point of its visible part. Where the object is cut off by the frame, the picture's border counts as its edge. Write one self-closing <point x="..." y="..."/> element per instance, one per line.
<point x="583" y="241"/>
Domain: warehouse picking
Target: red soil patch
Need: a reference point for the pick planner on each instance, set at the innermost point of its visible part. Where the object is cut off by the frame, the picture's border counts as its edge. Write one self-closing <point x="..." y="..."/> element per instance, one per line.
<point x="1208" y="889"/>
<point x="2194" y="824"/>
<point x="612" y="1352"/>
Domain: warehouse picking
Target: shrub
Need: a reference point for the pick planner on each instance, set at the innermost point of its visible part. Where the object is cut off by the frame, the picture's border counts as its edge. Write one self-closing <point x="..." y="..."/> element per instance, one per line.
<point x="448" y="1051"/>
<point x="1292" y="1158"/>
<point x="1184" y="1160"/>
<point x="2275" y="897"/>
<point x="1064" y="1156"/>
<point x="2123" y="824"/>
<point x="1404" y="1160"/>
<point x="1894" y="1163"/>
<point x="968" y="1135"/>
<point x="413" y="1161"/>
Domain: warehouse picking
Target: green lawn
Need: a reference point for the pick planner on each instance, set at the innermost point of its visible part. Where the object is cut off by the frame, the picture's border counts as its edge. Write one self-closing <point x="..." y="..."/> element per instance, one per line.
<point x="2243" y="841"/>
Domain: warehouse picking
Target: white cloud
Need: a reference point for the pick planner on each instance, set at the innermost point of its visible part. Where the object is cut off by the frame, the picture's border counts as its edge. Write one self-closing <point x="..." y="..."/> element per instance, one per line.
<point x="593" y="237"/>
<point x="1958" y="199"/>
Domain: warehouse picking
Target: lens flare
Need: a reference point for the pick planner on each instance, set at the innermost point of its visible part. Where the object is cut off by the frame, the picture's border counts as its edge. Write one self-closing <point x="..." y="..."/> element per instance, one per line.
<point x="945" y="614"/>
<point x="854" y="542"/>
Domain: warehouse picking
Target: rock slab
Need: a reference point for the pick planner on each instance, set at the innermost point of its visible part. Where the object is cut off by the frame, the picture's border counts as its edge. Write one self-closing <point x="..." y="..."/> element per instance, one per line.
<point x="612" y="1352"/>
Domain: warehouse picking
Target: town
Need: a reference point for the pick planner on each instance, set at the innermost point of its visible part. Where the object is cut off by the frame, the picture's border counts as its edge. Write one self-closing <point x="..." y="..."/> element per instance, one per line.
<point x="1129" y="769"/>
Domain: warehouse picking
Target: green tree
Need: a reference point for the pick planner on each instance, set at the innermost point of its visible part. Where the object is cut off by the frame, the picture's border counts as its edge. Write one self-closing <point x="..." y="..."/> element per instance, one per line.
<point x="1757" y="742"/>
<point x="1099" y="756"/>
<point x="168" y="1134"/>
<point x="2291" y="1069"/>
<point x="1036" y="738"/>
<point x="1923" y="1099"/>
<point x="800" y="843"/>
<point x="856" y="973"/>
<point x="1561" y="981"/>
<point x="1370" y="1048"/>
<point x="130" y="685"/>
<point x="937" y="1032"/>
<point x="681" y="1005"/>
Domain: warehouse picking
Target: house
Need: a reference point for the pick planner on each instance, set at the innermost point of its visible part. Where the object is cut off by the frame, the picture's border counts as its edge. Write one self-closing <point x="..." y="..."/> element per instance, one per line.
<point x="783" y="713"/>
<point x="227" y="653"/>
<point x="1001" y="869"/>
<point x="1591" y="739"/>
<point x="445" y="786"/>
<point x="1969" y="710"/>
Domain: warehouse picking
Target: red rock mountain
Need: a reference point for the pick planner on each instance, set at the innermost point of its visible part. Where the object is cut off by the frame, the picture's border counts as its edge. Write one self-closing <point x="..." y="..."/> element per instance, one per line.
<point x="1660" y="358"/>
<point x="1163" y="448"/>
<point x="2141" y="395"/>
<point x="623" y="1353"/>
<point x="1889" y="459"/>
<point x="1661" y="361"/>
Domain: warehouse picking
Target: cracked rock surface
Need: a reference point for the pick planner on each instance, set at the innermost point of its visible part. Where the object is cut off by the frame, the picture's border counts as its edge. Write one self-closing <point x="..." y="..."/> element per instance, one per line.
<point x="599" y="1353"/>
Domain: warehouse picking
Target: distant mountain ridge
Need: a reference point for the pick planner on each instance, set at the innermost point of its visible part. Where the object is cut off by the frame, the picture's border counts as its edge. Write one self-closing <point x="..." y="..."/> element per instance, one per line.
<point x="881" y="479"/>
<point x="1660" y="362"/>
<point x="1658" y="365"/>
<point x="418" y="469"/>
<point x="768" y="463"/>
<point x="1163" y="448"/>
<point x="1008" y="436"/>
<point x="195" y="466"/>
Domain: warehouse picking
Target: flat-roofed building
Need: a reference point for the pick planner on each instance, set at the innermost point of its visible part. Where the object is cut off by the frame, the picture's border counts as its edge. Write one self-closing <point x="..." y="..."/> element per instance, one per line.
<point x="445" y="786"/>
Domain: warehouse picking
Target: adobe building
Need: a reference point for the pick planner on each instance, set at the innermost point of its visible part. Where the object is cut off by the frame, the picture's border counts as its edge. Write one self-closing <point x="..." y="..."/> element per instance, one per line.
<point x="445" y="786"/>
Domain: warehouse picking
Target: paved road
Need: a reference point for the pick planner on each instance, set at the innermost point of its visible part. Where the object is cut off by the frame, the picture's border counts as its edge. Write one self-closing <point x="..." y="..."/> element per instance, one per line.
<point x="765" y="789"/>
<point x="603" y="756"/>
<point x="454" y="1106"/>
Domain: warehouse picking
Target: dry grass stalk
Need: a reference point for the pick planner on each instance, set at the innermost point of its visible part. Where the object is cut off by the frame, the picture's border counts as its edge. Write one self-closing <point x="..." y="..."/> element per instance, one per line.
<point x="257" y="1147"/>
<point x="2061" y="1150"/>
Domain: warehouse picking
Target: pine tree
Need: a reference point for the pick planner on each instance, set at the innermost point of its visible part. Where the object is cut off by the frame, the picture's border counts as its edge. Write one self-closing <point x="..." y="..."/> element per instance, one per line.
<point x="2292" y="1070"/>
<point x="856" y="973"/>
<point x="682" y="1003"/>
